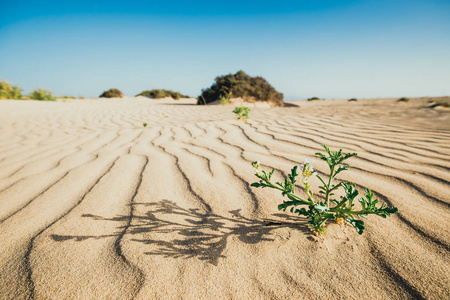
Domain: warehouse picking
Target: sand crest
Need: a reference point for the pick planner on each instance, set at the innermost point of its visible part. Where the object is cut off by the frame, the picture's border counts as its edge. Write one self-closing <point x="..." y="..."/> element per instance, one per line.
<point x="95" y="206"/>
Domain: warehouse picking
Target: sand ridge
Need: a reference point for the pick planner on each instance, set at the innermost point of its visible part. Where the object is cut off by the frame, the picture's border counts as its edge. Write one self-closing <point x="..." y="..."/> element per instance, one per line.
<point x="95" y="206"/>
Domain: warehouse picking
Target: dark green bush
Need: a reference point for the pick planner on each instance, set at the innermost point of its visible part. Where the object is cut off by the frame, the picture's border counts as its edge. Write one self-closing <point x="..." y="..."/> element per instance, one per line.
<point x="8" y="91"/>
<point x="313" y="98"/>
<point x="42" y="95"/>
<point x="112" y="93"/>
<point x="403" y="99"/>
<point x="161" y="93"/>
<point x="241" y="85"/>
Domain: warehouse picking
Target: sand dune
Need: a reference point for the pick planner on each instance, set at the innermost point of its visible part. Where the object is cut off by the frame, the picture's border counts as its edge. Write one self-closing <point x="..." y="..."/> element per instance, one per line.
<point x="95" y="206"/>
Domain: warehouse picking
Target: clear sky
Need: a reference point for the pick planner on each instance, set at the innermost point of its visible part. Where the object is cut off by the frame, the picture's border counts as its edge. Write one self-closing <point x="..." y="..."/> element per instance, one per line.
<point x="330" y="48"/>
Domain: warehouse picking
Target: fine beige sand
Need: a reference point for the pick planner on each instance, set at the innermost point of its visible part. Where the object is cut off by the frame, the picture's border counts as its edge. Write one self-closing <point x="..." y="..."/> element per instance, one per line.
<point x="95" y="206"/>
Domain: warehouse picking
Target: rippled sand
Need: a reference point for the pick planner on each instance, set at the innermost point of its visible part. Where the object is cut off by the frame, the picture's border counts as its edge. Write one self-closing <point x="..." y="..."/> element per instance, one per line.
<point x="95" y="206"/>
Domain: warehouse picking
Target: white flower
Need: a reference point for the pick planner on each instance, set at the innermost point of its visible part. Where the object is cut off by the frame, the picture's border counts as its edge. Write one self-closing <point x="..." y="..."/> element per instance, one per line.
<point x="307" y="169"/>
<point x="255" y="166"/>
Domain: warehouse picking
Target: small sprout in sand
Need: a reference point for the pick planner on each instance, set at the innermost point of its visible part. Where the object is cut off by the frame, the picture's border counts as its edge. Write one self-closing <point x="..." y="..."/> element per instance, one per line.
<point x="241" y="112"/>
<point x="144" y="124"/>
<point x="318" y="213"/>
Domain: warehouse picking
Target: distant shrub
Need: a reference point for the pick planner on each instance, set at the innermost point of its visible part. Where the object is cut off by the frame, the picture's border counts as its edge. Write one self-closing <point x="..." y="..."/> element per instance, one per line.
<point x="313" y="99"/>
<point x="403" y="99"/>
<point x="42" y="95"/>
<point x="241" y="85"/>
<point x="112" y="93"/>
<point x="8" y="91"/>
<point x="66" y="97"/>
<point x="352" y="99"/>
<point x="161" y="93"/>
<point x="81" y="97"/>
<point x="439" y="103"/>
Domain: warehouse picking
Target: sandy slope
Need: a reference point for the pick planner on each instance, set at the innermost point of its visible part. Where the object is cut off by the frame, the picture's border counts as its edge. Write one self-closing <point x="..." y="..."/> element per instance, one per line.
<point x="95" y="206"/>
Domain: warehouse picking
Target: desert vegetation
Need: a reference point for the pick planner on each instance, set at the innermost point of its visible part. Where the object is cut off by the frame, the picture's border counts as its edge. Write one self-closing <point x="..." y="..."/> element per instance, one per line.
<point x="352" y="100"/>
<point x="241" y="112"/>
<point x="8" y="91"/>
<point x="42" y="95"/>
<point x="313" y="99"/>
<point x="112" y="93"/>
<point x="161" y="93"/>
<point x="403" y="99"/>
<point x="318" y="212"/>
<point x="241" y="85"/>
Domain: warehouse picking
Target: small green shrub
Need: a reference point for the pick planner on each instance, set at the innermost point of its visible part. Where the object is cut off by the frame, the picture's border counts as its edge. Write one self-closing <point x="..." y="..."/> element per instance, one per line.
<point x="352" y="99"/>
<point x="403" y="99"/>
<point x="66" y="97"/>
<point x="313" y="99"/>
<point x="8" y="91"/>
<point x="42" y="95"/>
<point x="241" y="85"/>
<point x="112" y="93"/>
<point x="161" y="93"/>
<point x="318" y="213"/>
<point x="241" y="112"/>
<point x="144" y="124"/>
<point x="225" y="99"/>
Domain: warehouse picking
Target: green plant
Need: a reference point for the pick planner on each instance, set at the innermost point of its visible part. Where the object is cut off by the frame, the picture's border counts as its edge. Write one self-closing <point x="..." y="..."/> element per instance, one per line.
<point x="241" y="85"/>
<point x="42" y="95"/>
<point x="158" y="94"/>
<point x="225" y="98"/>
<point x="144" y="124"/>
<point x="8" y="91"/>
<point x="112" y="93"/>
<point x="313" y="98"/>
<point x="328" y="209"/>
<point x="403" y="99"/>
<point x="352" y="99"/>
<point x="241" y="112"/>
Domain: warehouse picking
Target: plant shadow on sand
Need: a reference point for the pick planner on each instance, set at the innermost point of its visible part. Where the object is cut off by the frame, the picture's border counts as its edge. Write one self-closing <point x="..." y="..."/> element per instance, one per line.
<point x="186" y="233"/>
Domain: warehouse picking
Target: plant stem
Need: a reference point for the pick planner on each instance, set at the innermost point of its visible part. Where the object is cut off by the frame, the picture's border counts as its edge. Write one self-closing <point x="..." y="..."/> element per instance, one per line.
<point x="348" y="211"/>
<point x="327" y="194"/>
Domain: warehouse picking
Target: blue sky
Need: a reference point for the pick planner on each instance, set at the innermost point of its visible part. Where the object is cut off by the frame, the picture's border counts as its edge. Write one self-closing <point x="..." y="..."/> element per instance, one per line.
<point x="332" y="49"/>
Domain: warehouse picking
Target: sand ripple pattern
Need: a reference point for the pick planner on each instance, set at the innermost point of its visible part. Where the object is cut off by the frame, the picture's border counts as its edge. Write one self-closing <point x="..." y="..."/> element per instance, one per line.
<point x="95" y="206"/>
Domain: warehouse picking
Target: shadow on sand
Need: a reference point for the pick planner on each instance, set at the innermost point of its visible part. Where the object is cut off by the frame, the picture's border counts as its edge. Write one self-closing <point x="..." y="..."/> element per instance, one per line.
<point x="173" y="231"/>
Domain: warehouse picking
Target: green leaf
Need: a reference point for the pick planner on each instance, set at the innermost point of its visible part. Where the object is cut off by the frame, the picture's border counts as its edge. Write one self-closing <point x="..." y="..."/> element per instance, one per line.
<point x="329" y="216"/>
<point x="358" y="224"/>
